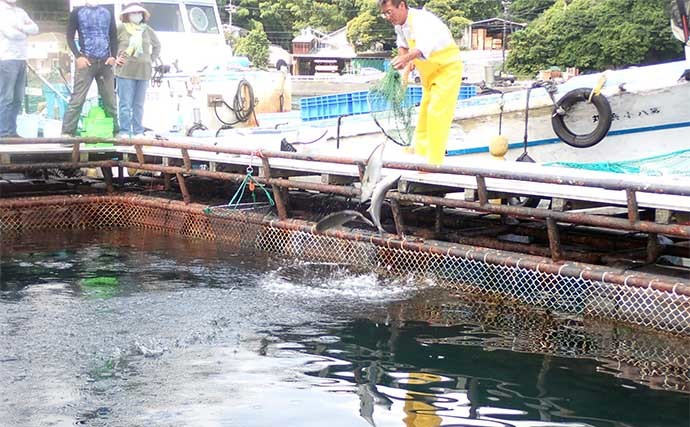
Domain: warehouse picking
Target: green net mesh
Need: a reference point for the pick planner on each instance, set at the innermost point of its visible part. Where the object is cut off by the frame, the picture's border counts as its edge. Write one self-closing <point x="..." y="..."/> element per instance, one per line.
<point x="671" y="164"/>
<point x="392" y="108"/>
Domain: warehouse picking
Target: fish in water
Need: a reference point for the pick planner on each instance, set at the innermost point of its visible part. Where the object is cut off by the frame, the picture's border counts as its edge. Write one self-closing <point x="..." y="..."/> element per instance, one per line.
<point x="372" y="173"/>
<point x="377" y="198"/>
<point x="339" y="218"/>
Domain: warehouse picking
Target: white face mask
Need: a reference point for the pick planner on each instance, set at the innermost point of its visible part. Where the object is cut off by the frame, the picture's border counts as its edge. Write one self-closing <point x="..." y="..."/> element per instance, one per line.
<point x="136" y="18"/>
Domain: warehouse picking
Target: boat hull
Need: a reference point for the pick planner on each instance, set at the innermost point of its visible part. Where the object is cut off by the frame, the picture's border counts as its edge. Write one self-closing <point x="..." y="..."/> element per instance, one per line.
<point x="644" y="124"/>
<point x="649" y="117"/>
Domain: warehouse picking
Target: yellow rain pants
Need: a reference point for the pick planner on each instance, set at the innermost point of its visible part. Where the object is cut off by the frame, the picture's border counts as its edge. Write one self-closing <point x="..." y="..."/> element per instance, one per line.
<point x="441" y="76"/>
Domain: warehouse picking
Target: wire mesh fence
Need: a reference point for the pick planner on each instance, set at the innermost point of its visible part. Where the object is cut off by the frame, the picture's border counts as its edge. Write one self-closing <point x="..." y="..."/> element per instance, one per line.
<point x="468" y="275"/>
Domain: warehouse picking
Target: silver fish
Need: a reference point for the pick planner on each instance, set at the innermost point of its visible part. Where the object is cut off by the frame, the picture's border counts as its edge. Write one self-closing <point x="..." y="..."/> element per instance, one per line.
<point x="377" y="198"/>
<point x="372" y="173"/>
<point x="339" y="218"/>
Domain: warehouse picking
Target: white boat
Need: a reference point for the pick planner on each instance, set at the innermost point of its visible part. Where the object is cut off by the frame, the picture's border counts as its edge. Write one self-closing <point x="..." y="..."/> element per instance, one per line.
<point x="648" y="116"/>
<point x="645" y="106"/>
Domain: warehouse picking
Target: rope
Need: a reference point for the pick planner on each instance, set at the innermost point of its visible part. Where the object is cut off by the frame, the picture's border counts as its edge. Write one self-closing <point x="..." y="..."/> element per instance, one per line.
<point x="235" y="202"/>
<point x="252" y="183"/>
<point x="500" y="113"/>
<point x="597" y="89"/>
<point x="388" y="100"/>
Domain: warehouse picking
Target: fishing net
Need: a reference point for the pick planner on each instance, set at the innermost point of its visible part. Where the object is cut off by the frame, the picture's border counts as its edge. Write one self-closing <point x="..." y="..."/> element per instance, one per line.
<point x="671" y="164"/>
<point x="392" y="107"/>
<point x="236" y="205"/>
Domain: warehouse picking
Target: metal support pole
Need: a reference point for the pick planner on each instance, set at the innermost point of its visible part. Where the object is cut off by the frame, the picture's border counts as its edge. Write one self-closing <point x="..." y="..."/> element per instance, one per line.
<point x="277" y="195"/>
<point x="554" y="239"/>
<point x="108" y="177"/>
<point x="438" y="219"/>
<point x="183" y="188"/>
<point x="186" y="159"/>
<point x="76" y="156"/>
<point x="398" y="218"/>
<point x="654" y="249"/>
<point x="140" y="154"/>
<point x="481" y="190"/>
<point x="633" y="210"/>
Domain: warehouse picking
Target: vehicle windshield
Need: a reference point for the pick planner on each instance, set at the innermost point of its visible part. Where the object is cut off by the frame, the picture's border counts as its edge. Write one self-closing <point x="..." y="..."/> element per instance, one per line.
<point x="165" y="17"/>
<point x="203" y="19"/>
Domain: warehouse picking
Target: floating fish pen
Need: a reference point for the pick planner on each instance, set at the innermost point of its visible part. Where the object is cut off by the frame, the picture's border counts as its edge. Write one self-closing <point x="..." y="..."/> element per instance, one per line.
<point x="577" y="262"/>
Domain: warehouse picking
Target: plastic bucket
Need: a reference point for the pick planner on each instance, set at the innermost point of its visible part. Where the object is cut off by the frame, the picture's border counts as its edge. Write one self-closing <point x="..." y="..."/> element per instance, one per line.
<point x="27" y="125"/>
<point x="51" y="128"/>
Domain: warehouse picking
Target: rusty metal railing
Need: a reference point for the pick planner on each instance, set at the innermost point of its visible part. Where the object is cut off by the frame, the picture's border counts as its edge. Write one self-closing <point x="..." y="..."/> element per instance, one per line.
<point x="263" y="158"/>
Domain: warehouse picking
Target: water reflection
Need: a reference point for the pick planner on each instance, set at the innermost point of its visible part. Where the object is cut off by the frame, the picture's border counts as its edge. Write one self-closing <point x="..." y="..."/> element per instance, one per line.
<point x="130" y="328"/>
<point x="463" y="363"/>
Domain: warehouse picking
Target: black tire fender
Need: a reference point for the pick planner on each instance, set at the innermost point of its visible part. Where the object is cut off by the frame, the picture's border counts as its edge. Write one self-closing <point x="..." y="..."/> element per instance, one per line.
<point x="603" y="124"/>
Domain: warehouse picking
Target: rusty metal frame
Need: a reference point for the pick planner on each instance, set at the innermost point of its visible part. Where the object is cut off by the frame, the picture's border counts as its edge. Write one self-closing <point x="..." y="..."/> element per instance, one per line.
<point x="551" y="217"/>
<point x="535" y="263"/>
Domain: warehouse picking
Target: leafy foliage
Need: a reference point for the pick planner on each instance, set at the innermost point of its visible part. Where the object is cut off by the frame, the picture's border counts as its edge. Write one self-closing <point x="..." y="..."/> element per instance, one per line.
<point x="589" y="34"/>
<point x="368" y="28"/>
<point x="255" y="46"/>
<point x="527" y="10"/>
<point x="450" y="11"/>
<point x="283" y="19"/>
<point x="594" y="35"/>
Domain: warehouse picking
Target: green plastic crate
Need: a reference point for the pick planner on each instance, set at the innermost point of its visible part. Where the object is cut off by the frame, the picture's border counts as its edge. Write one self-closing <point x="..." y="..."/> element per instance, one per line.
<point x="97" y="125"/>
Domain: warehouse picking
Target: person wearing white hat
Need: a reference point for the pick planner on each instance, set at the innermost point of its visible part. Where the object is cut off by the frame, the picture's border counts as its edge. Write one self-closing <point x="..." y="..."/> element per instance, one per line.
<point x="138" y="48"/>
<point x="15" y="28"/>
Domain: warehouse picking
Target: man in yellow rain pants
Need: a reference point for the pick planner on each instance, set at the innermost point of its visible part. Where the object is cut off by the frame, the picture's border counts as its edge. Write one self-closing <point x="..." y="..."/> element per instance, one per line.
<point x="425" y="43"/>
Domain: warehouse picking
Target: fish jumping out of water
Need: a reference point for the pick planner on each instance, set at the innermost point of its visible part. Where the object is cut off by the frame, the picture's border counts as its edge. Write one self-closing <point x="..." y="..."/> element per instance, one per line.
<point x="339" y="218"/>
<point x="378" y="196"/>
<point x="372" y="173"/>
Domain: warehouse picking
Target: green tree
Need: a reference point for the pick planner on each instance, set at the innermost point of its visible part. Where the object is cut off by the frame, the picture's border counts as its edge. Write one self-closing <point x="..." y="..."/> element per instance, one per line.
<point x="283" y="19"/>
<point x="474" y="10"/>
<point x="595" y="35"/>
<point x="254" y="45"/>
<point x="450" y="12"/>
<point x="367" y="29"/>
<point x="527" y="10"/>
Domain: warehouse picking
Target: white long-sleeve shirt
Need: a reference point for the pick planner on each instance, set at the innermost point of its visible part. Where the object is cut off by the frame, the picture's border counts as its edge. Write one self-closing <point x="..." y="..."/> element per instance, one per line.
<point x="15" y="28"/>
<point x="429" y="32"/>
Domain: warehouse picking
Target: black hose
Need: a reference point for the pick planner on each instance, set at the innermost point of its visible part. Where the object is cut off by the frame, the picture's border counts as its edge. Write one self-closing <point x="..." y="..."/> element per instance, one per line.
<point x="373" y="116"/>
<point x="310" y="142"/>
<point x="238" y="105"/>
<point x="524" y="140"/>
<point x="222" y="128"/>
<point x="196" y="126"/>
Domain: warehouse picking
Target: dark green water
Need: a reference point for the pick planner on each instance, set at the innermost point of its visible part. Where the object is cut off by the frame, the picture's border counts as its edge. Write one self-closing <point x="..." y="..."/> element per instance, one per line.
<point x="135" y="329"/>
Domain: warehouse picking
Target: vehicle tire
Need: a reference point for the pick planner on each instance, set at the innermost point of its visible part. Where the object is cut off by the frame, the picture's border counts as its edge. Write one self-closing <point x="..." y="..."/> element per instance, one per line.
<point x="282" y="64"/>
<point x="586" y="140"/>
